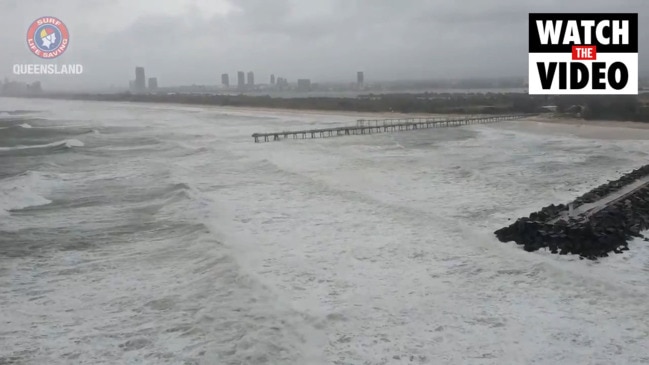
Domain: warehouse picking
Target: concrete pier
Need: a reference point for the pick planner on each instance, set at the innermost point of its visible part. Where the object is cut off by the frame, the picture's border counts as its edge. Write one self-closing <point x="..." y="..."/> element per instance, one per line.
<point x="372" y="126"/>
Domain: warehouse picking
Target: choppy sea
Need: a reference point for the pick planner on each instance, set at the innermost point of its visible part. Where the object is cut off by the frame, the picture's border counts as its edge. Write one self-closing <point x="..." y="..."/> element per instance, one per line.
<point x="161" y="234"/>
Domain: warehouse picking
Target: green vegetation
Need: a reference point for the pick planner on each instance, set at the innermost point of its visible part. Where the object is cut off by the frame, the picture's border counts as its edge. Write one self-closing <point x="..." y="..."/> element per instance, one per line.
<point x="596" y="107"/>
<point x="587" y="107"/>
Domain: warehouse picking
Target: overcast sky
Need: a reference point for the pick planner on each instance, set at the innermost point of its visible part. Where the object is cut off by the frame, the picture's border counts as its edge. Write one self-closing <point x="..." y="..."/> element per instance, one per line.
<point x="194" y="41"/>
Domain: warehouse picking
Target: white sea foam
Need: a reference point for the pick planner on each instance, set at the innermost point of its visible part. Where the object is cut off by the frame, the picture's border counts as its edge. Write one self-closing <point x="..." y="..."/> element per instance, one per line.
<point x="342" y="250"/>
<point x="26" y="126"/>
<point x="26" y="190"/>
<point x="69" y="143"/>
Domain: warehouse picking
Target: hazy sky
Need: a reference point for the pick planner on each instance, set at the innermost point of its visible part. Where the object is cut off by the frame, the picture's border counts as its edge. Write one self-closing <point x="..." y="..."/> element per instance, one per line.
<point x="194" y="41"/>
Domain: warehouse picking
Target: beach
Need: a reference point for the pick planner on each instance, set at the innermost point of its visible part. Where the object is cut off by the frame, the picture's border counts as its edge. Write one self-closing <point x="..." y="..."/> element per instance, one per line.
<point x="594" y="129"/>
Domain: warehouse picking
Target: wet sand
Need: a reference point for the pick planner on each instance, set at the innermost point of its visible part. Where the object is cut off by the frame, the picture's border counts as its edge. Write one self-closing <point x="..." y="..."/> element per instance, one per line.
<point x="619" y="130"/>
<point x="344" y="113"/>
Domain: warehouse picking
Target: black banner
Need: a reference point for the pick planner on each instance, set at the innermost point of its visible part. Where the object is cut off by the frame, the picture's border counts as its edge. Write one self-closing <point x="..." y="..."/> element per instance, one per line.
<point x="551" y="20"/>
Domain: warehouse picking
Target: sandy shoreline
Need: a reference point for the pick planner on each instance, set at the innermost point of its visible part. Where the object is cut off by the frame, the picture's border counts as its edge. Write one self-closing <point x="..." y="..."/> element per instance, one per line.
<point x="546" y="119"/>
<point x="541" y="124"/>
<point x="360" y="115"/>
<point x="582" y="128"/>
<point x="286" y="111"/>
<point x="590" y="123"/>
<point x="538" y="124"/>
<point x="342" y="113"/>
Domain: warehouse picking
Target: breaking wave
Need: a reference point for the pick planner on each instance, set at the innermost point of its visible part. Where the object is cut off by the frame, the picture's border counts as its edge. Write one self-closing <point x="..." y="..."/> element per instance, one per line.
<point x="25" y="190"/>
<point x="68" y="143"/>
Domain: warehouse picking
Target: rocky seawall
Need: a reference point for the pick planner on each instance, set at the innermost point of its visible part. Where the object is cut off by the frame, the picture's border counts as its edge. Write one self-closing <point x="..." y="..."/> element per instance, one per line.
<point x="591" y="234"/>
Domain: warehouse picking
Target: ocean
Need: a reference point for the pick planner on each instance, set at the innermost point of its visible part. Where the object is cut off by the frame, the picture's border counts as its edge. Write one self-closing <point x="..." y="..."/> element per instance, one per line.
<point x="161" y="234"/>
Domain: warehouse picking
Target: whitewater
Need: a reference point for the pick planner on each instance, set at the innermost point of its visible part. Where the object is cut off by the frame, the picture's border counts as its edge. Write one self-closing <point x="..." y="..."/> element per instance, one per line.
<point x="161" y="234"/>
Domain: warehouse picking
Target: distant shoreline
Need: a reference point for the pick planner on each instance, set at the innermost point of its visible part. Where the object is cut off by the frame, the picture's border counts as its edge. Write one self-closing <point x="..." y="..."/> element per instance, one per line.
<point x="407" y="104"/>
<point x="585" y="108"/>
<point x="589" y="129"/>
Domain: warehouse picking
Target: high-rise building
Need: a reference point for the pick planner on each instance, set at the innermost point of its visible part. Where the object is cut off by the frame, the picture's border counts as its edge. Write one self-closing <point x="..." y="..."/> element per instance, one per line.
<point x="303" y="85"/>
<point x="153" y="83"/>
<point x="360" y="78"/>
<point x="282" y="83"/>
<point x="241" y="79"/>
<point x="251" y="78"/>
<point x="225" y="80"/>
<point x="272" y="79"/>
<point x="140" y="80"/>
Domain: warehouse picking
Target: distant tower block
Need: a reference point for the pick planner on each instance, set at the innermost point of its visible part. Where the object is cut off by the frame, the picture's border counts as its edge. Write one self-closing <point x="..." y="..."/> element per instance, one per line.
<point x="282" y="83"/>
<point x="140" y="80"/>
<point x="241" y="79"/>
<point x="251" y="78"/>
<point x="304" y="85"/>
<point x="272" y="79"/>
<point x="225" y="80"/>
<point x="360" y="78"/>
<point x="153" y="83"/>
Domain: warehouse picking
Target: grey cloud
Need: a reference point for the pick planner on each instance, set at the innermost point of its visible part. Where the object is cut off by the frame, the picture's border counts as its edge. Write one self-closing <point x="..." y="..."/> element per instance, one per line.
<point x="187" y="42"/>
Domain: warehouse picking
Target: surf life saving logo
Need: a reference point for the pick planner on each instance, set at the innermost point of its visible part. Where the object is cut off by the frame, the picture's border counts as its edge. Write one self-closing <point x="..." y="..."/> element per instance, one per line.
<point x="48" y="37"/>
<point x="583" y="54"/>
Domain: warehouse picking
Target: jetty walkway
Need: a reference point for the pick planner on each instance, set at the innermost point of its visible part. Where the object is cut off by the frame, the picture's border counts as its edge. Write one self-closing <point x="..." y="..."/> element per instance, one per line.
<point x="370" y="126"/>
<point x="585" y="211"/>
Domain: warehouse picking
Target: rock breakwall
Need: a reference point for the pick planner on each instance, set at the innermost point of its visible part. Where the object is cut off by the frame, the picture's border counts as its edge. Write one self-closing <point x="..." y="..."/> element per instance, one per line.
<point x="592" y="233"/>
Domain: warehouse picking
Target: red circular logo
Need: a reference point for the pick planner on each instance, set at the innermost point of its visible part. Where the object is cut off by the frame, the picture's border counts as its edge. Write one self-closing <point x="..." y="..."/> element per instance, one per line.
<point x="47" y="37"/>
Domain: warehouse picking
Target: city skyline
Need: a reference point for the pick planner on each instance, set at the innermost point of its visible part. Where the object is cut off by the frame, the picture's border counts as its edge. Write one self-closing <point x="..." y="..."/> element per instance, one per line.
<point x="245" y="81"/>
